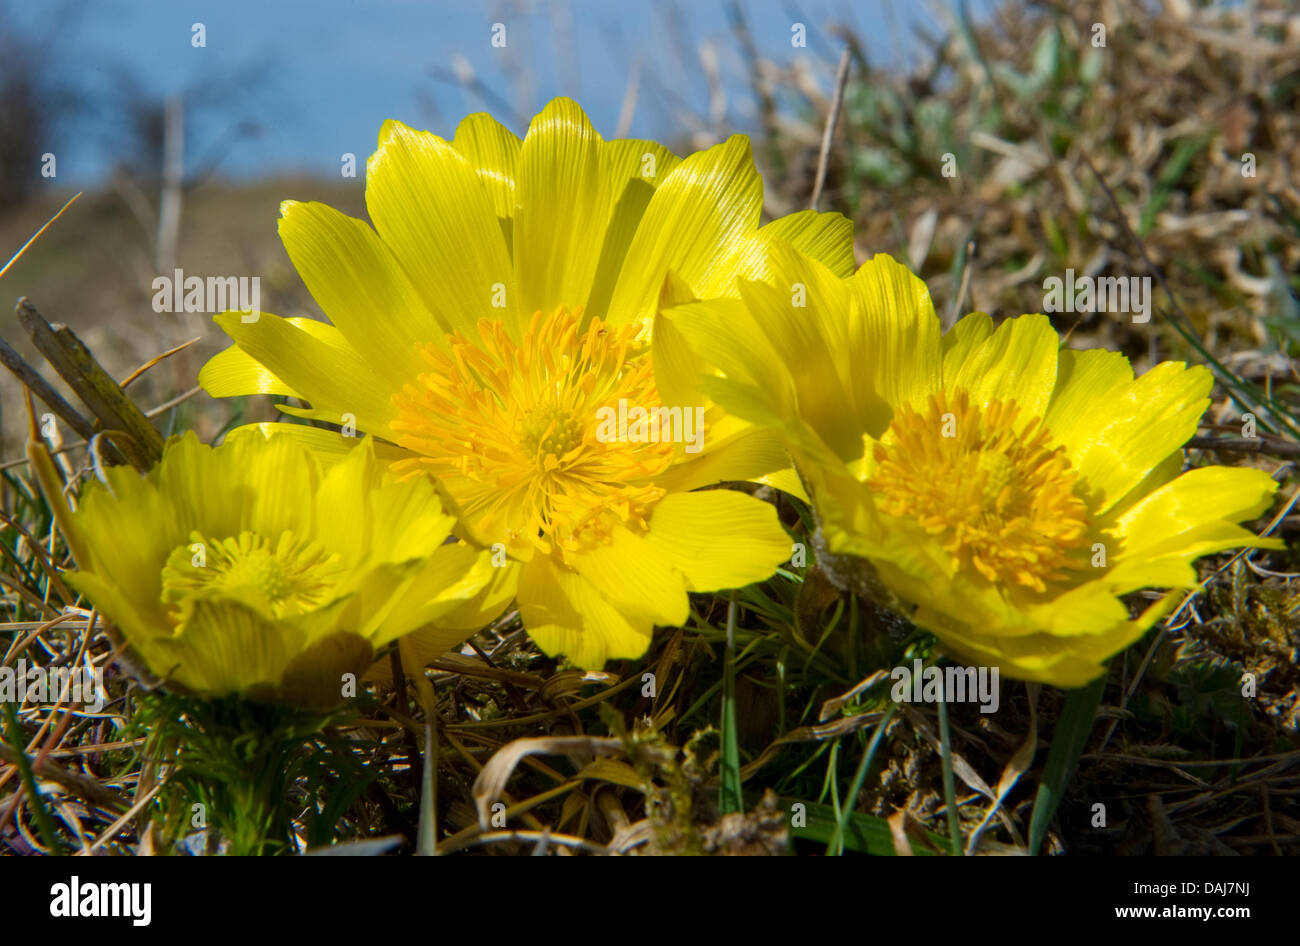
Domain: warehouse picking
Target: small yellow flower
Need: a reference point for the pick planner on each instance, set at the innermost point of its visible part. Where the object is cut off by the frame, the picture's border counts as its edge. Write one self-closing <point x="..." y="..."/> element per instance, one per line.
<point x="250" y="569"/>
<point x="494" y="331"/>
<point x="1005" y="488"/>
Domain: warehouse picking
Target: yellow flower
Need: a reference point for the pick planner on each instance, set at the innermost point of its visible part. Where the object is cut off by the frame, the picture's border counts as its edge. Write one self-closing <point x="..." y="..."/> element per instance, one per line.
<point x="494" y="331"/>
<point x="250" y="569"/>
<point x="1005" y="488"/>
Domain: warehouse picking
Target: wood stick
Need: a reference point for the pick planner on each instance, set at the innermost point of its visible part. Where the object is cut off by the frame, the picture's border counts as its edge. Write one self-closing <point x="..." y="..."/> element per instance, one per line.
<point x="95" y="386"/>
<point x="44" y="390"/>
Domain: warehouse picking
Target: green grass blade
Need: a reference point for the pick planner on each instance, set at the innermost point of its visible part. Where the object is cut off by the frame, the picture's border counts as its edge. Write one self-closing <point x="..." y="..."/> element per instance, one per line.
<point x="1167" y="182"/>
<point x="864" y="834"/>
<point x="949" y="782"/>
<point x="44" y="823"/>
<point x="1068" y="740"/>
<point x="730" y="799"/>
<point x="1246" y="394"/>
<point x="836" y="845"/>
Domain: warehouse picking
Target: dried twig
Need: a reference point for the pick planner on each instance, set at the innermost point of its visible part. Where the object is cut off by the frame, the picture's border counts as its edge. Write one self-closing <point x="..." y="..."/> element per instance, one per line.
<point x="81" y="785"/>
<point x="45" y="391"/>
<point x="1262" y="443"/>
<point x="832" y="119"/>
<point x="96" y="388"/>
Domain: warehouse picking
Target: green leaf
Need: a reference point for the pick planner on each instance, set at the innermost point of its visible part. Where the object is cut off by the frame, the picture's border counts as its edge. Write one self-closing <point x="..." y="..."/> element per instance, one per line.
<point x="1210" y="688"/>
<point x="1167" y="182"/>
<point x="864" y="834"/>
<point x="1046" y="59"/>
<point x="1068" y="740"/>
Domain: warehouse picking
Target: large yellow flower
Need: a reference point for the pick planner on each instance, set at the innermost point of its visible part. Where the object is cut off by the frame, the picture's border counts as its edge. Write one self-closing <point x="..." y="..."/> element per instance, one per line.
<point x="494" y="330"/>
<point x="1005" y="488"/>
<point x="250" y="569"/>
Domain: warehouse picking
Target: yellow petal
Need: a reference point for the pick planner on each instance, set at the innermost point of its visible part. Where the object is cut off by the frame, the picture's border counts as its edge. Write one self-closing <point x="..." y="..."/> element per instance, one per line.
<point x="1166" y="471"/>
<point x="749" y="454"/>
<point x="492" y="150"/>
<point x="186" y="484"/>
<point x="719" y="538"/>
<point x="438" y="586"/>
<point x="142" y="622"/>
<point x="315" y="360"/>
<point x="960" y="341"/>
<point x="1017" y="362"/>
<point x="359" y="285"/>
<point x="637" y="577"/>
<point x="1086" y="380"/>
<point x="315" y="676"/>
<point x="433" y="211"/>
<point x="234" y="373"/>
<point x="103" y="518"/>
<point x="633" y="161"/>
<point x="705" y="209"/>
<point x="1036" y="657"/>
<point x="787" y="481"/>
<point x="565" y="614"/>
<point x="893" y="341"/>
<point x="407" y="520"/>
<point x="327" y="446"/>
<point x="737" y="337"/>
<point x="1116" y="444"/>
<point x="635" y="168"/>
<point x="679" y="370"/>
<point x="1194" y="514"/>
<point x="565" y="197"/>
<point x="453" y="626"/>
<point x="800" y="316"/>
<point x="227" y="648"/>
<point x="825" y="237"/>
<point x="491" y="600"/>
<point x="271" y="488"/>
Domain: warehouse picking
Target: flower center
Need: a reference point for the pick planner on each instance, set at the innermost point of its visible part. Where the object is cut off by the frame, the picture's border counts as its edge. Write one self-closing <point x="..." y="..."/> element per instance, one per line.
<point x="998" y="493"/>
<point x="550" y="430"/>
<point x="514" y="430"/>
<point x="285" y="577"/>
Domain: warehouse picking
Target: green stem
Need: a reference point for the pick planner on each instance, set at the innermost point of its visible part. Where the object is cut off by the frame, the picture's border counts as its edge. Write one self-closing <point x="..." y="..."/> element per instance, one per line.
<point x="836" y="846"/>
<point x="44" y="823"/>
<point x="428" y="829"/>
<point x="949" y="783"/>
<point x="729" y="793"/>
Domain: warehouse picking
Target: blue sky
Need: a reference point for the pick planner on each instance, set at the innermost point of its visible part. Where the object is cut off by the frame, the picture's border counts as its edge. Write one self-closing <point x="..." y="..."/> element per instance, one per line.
<point x="320" y="76"/>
